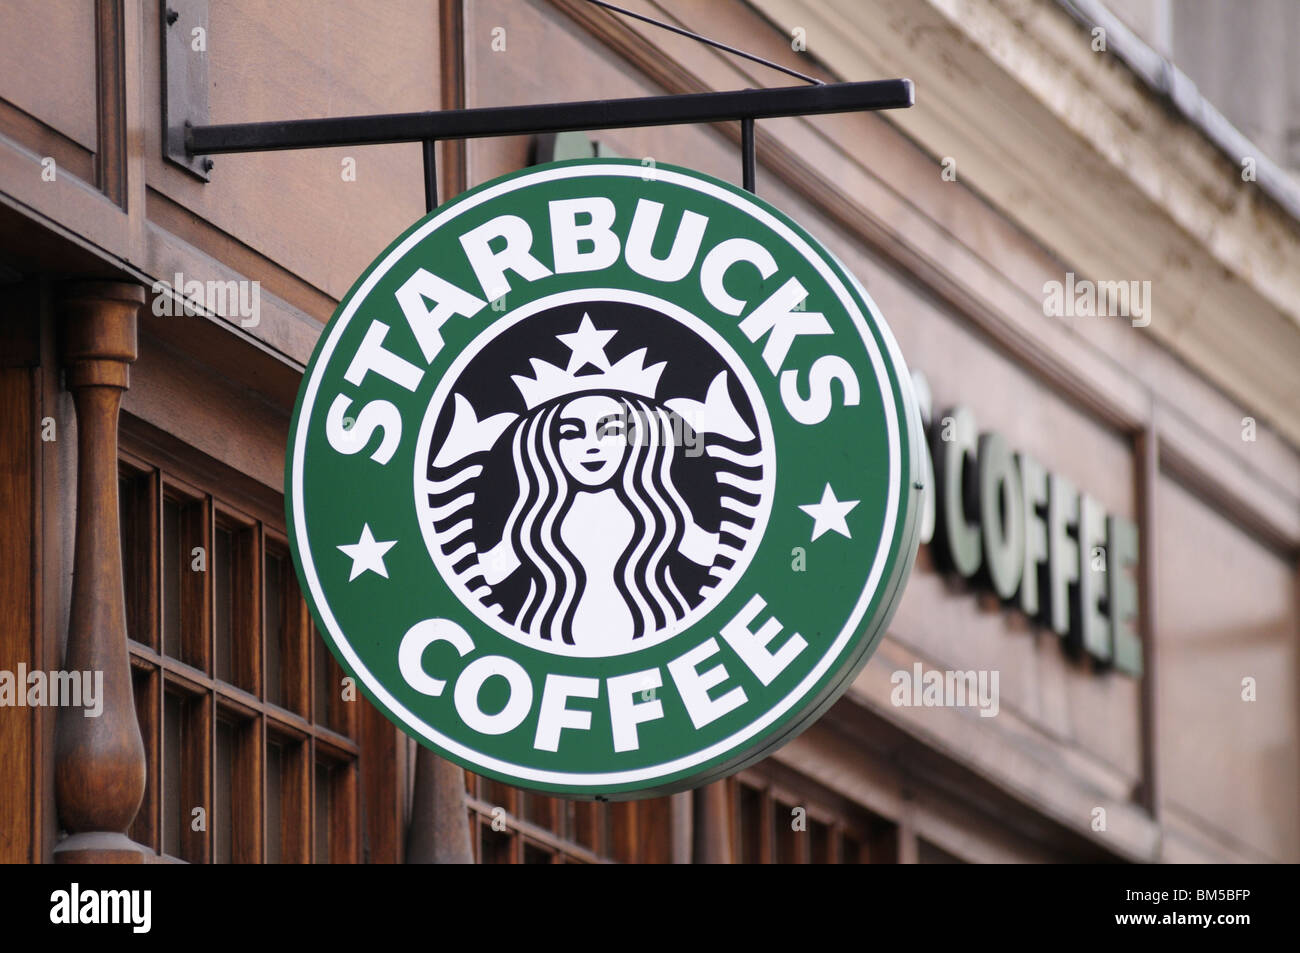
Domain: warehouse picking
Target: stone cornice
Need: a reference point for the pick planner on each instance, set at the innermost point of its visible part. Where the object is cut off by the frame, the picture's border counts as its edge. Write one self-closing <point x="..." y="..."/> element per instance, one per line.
<point x="1074" y="148"/>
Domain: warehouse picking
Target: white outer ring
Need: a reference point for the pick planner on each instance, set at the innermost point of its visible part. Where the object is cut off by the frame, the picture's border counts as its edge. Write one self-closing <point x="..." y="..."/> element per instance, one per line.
<point x="650" y="773"/>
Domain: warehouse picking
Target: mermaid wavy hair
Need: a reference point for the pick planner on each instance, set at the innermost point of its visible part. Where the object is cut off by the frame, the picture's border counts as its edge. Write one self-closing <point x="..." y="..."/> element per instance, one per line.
<point x="643" y="482"/>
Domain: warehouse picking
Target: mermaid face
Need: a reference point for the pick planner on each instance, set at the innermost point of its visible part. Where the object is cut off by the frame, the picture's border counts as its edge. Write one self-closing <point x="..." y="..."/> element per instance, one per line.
<point x="592" y="441"/>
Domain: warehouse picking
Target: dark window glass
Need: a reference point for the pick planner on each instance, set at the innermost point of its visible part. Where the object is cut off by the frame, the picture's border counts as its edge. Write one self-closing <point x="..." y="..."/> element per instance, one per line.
<point x="274" y="628"/>
<point x="852" y="850"/>
<point x="750" y="839"/>
<point x="222" y="573"/>
<point x="224" y="822"/>
<point x="539" y="810"/>
<point x="587" y="818"/>
<point x="819" y="836"/>
<point x="496" y="845"/>
<point x="323" y="799"/>
<point x="536" y="855"/>
<point x="321" y="678"/>
<point x="274" y="801"/>
<point x="787" y="843"/>
<point x="172" y="775"/>
<point x="172" y="561"/>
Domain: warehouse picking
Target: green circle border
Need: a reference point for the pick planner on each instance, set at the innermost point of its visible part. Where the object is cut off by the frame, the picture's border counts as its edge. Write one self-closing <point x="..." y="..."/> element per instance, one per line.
<point x="876" y="616"/>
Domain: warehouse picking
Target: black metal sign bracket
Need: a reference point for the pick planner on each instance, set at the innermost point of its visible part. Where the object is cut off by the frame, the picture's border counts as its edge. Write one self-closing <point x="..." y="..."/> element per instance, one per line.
<point x="745" y="106"/>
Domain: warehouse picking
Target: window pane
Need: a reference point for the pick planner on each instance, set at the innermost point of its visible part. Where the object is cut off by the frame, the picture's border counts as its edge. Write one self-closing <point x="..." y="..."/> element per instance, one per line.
<point x="321" y="679"/>
<point x="654" y="820"/>
<point x="536" y="855"/>
<point x="224" y="821"/>
<point x="750" y="835"/>
<point x="323" y="799"/>
<point x="496" y="845"/>
<point x="851" y="849"/>
<point x="172" y="775"/>
<point x="539" y="810"/>
<point x="222" y="572"/>
<point x="497" y="794"/>
<point x="274" y="629"/>
<point x="624" y="842"/>
<point x="171" y="575"/>
<point x="274" y="801"/>
<point x="587" y="819"/>
<point x="820" y="837"/>
<point x="787" y="843"/>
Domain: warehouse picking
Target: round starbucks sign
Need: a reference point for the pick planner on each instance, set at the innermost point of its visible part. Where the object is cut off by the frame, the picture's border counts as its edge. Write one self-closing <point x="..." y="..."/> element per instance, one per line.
<point x="603" y="479"/>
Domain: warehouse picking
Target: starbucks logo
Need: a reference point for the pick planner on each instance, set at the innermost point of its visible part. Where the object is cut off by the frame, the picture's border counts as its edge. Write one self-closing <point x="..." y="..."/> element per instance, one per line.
<point x="604" y="483"/>
<point x="593" y="486"/>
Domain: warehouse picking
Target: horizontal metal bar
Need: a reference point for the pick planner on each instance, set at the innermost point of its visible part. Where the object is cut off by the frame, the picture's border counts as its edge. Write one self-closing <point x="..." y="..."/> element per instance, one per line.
<point x="549" y="117"/>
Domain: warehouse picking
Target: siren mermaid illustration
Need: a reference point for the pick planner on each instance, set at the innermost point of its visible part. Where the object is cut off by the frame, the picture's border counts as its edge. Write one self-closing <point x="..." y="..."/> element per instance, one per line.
<point x="600" y="547"/>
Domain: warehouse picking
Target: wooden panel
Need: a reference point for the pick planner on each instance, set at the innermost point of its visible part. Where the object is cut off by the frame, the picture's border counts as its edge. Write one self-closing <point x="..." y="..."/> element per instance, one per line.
<point x="295" y="838"/>
<point x="181" y="397"/>
<point x="623" y="828"/>
<point x="110" y="150"/>
<point x="296" y="652"/>
<point x="17" y="631"/>
<point x="654" y="820"/>
<point x="304" y="59"/>
<point x="247" y="793"/>
<point x="48" y="48"/>
<point x="344" y="822"/>
<point x="382" y="793"/>
<point x="246" y="612"/>
<point x="196" y="773"/>
<point x="1227" y="611"/>
<point x="196" y="594"/>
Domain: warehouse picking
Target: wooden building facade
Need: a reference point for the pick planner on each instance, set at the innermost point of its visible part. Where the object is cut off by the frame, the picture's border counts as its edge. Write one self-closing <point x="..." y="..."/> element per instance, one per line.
<point x="142" y="529"/>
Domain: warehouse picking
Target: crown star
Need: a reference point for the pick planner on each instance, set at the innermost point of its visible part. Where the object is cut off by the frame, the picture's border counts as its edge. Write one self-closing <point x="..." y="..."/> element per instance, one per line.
<point x="587" y="346"/>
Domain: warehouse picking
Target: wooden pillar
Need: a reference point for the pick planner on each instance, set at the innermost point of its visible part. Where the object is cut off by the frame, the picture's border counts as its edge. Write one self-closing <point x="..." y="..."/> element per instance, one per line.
<point x="439" y="829"/>
<point x="99" y="771"/>
<point x="683" y="814"/>
<point x="711" y="829"/>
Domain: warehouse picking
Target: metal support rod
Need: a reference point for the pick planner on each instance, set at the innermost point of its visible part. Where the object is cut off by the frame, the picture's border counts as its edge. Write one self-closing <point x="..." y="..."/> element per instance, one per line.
<point x="747" y="154"/>
<point x="430" y="174"/>
<point x="726" y="106"/>
<point x="438" y="830"/>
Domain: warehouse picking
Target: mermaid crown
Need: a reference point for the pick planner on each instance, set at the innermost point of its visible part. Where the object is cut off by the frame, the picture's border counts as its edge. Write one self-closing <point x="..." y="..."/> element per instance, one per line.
<point x="587" y="348"/>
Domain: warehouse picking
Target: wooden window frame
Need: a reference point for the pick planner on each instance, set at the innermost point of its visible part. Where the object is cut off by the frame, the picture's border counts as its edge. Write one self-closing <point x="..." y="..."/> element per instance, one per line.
<point x="148" y="479"/>
<point x="850" y="829"/>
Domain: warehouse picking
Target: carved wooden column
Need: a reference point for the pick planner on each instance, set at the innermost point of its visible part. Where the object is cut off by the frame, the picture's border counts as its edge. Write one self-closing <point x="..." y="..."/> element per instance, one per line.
<point x="683" y="814"/>
<point x="439" y="828"/>
<point x="712" y="824"/>
<point x="99" y="771"/>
